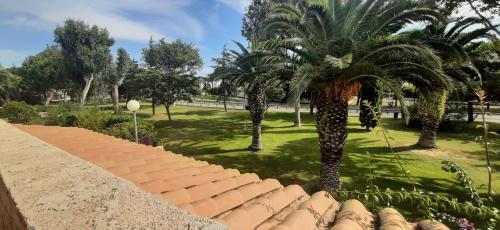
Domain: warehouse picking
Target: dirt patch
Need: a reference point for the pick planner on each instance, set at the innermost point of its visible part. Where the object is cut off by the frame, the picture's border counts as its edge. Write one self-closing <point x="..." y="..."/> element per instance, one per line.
<point x="437" y="153"/>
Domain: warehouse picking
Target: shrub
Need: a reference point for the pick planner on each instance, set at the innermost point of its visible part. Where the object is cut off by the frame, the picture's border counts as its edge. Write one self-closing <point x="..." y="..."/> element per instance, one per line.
<point x="116" y="119"/>
<point x="126" y="130"/>
<point x="18" y="112"/>
<point x="63" y="115"/>
<point x="92" y="118"/>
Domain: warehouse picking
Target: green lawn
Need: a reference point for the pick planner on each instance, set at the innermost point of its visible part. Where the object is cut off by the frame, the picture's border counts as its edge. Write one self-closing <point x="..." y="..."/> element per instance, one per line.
<point x="291" y="154"/>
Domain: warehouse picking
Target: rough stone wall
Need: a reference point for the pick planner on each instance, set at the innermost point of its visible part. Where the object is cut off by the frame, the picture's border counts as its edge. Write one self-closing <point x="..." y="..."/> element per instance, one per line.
<point x="55" y="190"/>
<point x="10" y="218"/>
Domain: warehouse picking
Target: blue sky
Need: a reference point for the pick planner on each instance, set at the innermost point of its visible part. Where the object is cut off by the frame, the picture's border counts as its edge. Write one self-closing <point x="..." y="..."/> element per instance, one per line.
<point x="26" y="26"/>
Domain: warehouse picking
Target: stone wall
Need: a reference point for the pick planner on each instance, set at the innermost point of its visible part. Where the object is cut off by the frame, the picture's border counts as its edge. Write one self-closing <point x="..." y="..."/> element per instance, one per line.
<point x="54" y="190"/>
<point x="10" y="218"/>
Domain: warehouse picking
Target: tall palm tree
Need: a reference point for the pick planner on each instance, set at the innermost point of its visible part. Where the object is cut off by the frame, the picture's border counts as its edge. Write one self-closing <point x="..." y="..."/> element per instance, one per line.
<point x="450" y="42"/>
<point x="339" y="44"/>
<point x="250" y="68"/>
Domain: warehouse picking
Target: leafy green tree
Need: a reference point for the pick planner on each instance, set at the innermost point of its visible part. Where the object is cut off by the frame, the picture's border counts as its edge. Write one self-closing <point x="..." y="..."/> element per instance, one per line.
<point x="340" y="44"/>
<point x="226" y="87"/>
<point x="480" y="7"/>
<point x="255" y="16"/>
<point x="123" y="67"/>
<point x="486" y="57"/>
<point x="86" y="52"/>
<point x="9" y="85"/>
<point x="174" y="65"/>
<point x="372" y="93"/>
<point x="44" y="73"/>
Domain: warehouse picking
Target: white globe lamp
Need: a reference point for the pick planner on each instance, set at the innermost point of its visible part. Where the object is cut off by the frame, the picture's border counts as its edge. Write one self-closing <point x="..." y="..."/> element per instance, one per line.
<point x="134" y="106"/>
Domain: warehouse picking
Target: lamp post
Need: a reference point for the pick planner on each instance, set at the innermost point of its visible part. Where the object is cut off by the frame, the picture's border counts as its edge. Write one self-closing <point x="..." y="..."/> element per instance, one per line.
<point x="133" y="106"/>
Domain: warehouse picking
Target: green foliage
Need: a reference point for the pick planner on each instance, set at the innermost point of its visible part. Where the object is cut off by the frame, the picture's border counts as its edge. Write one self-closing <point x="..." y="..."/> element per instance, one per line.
<point x="9" y="85"/>
<point x="43" y="73"/>
<point x="464" y="180"/>
<point x="18" y="112"/>
<point x="486" y="56"/>
<point x="372" y="92"/>
<point x="63" y="115"/>
<point x="482" y="216"/>
<point x="92" y="118"/>
<point x="255" y="16"/>
<point x="86" y="52"/>
<point x="125" y="129"/>
<point x="96" y="119"/>
<point x="173" y="65"/>
<point x="433" y="204"/>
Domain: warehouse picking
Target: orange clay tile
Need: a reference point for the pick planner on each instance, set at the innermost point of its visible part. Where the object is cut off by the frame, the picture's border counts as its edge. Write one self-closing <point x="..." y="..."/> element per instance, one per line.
<point x="240" y="201"/>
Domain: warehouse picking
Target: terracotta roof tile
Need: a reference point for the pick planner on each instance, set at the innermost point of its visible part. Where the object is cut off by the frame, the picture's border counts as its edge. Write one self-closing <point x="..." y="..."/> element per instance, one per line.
<point x="240" y="201"/>
<point x="354" y="215"/>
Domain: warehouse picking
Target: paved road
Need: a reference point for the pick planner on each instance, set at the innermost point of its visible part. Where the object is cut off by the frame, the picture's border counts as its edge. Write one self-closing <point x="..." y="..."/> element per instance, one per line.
<point x="353" y="110"/>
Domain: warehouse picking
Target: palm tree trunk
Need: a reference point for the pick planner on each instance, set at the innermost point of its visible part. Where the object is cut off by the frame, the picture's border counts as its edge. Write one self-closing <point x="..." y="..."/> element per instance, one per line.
<point x="331" y="125"/>
<point x="430" y="112"/>
<point x="257" y="108"/>
<point x="297" y="122"/>
<point x="429" y="133"/>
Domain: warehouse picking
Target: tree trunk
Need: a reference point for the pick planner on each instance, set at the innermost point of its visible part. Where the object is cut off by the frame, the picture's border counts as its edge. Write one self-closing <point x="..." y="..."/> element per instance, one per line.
<point x="396" y="115"/>
<point x="50" y="94"/>
<point x="115" y="98"/>
<point x="153" y="103"/>
<point x="311" y="108"/>
<point x="431" y="111"/>
<point x="85" y="91"/>
<point x="429" y="133"/>
<point x="225" y="100"/>
<point x="297" y="122"/>
<point x="257" y="108"/>
<point x="167" y="107"/>
<point x="331" y="125"/>
<point x="470" y="110"/>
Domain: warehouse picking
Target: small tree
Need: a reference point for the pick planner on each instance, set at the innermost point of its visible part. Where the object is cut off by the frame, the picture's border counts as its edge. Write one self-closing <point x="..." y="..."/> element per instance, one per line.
<point x="86" y="51"/>
<point x="43" y="73"/>
<point x="122" y="68"/>
<point x="9" y="84"/>
<point x="173" y="65"/>
<point x="226" y="87"/>
<point x="371" y="94"/>
<point x="177" y="87"/>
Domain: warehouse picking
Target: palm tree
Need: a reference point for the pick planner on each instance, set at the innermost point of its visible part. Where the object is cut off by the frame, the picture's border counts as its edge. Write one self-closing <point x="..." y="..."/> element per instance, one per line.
<point x="250" y="68"/>
<point x="450" y="41"/>
<point x="339" y="44"/>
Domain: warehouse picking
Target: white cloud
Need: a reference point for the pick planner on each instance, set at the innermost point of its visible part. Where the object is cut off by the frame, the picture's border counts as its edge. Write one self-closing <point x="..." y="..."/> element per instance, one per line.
<point x="120" y="17"/>
<point x="10" y="58"/>
<point x="238" y="5"/>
